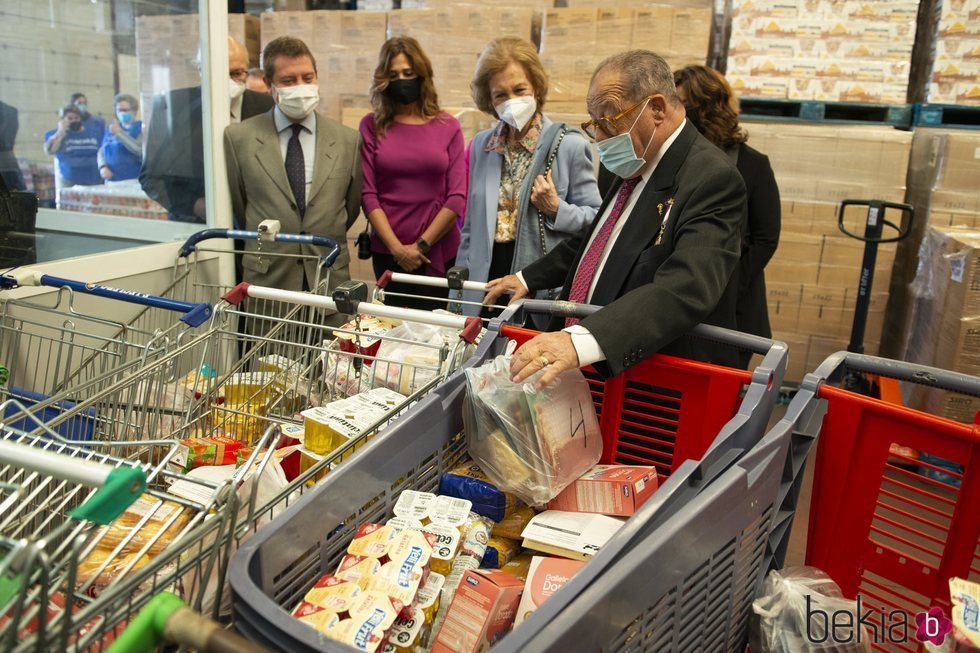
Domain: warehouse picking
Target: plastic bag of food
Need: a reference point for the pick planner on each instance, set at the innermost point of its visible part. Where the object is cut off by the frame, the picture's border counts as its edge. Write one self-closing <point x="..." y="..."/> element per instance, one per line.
<point x="410" y="356"/>
<point x="530" y="442"/>
<point x="796" y="612"/>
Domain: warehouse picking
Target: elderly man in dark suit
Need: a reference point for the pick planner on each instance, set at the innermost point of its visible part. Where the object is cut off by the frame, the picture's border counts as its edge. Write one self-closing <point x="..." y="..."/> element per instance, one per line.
<point x="173" y="167"/>
<point x="662" y="251"/>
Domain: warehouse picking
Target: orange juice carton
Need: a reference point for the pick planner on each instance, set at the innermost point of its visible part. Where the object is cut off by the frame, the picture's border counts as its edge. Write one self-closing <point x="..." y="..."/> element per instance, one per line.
<point x="617" y="490"/>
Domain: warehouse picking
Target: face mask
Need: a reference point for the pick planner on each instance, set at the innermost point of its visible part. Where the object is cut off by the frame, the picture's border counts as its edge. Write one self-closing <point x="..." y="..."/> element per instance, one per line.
<point x="298" y="101"/>
<point x="619" y="156"/>
<point x="81" y="106"/>
<point x="405" y="91"/>
<point x="517" y="111"/>
<point x="235" y="89"/>
<point x="75" y="126"/>
<point x="125" y="117"/>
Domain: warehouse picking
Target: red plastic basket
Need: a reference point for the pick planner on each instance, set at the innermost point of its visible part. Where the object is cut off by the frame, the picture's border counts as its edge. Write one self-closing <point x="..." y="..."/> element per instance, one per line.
<point x="881" y="528"/>
<point x="661" y="412"/>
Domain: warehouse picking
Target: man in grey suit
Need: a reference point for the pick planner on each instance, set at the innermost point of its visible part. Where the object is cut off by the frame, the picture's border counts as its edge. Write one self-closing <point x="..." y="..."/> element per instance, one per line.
<point x="297" y="166"/>
<point x="661" y="255"/>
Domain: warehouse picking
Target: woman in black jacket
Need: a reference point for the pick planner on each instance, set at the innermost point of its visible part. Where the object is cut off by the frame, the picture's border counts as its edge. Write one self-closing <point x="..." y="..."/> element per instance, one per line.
<point x="713" y="109"/>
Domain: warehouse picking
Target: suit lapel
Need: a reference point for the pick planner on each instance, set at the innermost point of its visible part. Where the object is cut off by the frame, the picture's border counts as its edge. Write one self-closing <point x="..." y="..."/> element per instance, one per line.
<point x="269" y="155"/>
<point x="643" y="222"/>
<point x="324" y="160"/>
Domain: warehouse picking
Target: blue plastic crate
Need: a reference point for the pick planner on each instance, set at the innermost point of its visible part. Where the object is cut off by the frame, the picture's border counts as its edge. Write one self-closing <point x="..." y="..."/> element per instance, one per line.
<point x="80" y="427"/>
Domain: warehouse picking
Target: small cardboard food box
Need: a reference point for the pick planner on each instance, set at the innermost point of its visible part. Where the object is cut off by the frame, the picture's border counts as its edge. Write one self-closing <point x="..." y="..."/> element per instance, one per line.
<point x="617" y="490"/>
<point x="545" y="576"/>
<point x="481" y="613"/>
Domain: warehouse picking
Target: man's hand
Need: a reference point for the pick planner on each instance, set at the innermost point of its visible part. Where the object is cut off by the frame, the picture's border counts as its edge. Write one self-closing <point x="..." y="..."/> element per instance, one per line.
<point x="410" y="257"/>
<point x="544" y="195"/>
<point x="509" y="285"/>
<point x="105" y="172"/>
<point x="553" y="351"/>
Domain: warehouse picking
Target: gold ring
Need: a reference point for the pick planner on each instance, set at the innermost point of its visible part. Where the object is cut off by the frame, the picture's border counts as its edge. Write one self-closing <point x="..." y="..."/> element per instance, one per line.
<point x="544" y="360"/>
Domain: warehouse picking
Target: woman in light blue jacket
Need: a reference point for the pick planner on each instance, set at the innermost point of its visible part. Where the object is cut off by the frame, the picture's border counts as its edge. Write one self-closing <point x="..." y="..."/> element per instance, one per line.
<point x="532" y="182"/>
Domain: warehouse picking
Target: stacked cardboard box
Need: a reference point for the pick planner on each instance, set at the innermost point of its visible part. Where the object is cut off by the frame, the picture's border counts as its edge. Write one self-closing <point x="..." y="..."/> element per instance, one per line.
<point x="812" y="279"/>
<point x="946" y="317"/>
<point x="822" y="50"/>
<point x="167" y="47"/>
<point x="956" y="72"/>
<point x="575" y="39"/>
<point x="943" y="170"/>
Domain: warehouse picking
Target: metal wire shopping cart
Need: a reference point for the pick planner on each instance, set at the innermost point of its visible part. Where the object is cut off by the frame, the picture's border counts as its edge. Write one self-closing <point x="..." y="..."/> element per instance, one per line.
<point x="56" y="354"/>
<point x="691" y="420"/>
<point x="75" y="564"/>
<point x="890" y="528"/>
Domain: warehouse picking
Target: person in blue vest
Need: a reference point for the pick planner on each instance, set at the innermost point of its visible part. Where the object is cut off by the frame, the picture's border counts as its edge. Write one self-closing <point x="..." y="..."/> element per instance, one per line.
<point x="121" y="154"/>
<point x="75" y="147"/>
<point x="97" y="122"/>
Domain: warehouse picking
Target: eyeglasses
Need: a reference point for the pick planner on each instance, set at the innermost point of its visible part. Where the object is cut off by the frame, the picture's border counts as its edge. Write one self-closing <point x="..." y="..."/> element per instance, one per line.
<point x="239" y="74"/>
<point x="608" y="124"/>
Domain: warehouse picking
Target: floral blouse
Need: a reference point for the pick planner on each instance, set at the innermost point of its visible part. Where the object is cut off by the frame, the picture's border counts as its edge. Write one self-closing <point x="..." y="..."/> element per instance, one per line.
<point x="517" y="162"/>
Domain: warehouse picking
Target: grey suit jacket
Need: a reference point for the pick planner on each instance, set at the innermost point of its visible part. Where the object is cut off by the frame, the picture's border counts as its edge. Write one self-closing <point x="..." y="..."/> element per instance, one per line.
<point x="260" y="191"/>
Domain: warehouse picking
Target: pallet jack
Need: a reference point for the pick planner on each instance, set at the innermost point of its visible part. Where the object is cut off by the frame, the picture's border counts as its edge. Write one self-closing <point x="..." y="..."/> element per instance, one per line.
<point x="879" y="387"/>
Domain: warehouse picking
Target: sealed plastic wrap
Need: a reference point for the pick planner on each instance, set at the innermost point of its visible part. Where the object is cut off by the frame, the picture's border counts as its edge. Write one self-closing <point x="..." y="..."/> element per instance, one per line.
<point x="794" y="613"/>
<point x="412" y="356"/>
<point x="530" y="442"/>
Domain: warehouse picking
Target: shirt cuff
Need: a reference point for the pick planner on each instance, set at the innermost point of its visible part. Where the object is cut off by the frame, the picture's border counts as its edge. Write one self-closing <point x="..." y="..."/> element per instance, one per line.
<point x="520" y="277"/>
<point x="585" y="344"/>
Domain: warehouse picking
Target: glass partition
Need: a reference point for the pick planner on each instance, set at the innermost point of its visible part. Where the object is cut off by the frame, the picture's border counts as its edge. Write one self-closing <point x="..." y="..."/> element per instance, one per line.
<point x="102" y="115"/>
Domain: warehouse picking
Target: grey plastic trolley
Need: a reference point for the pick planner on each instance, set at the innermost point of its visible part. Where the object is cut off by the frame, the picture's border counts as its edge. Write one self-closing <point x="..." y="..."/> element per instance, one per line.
<point x="272" y="571"/>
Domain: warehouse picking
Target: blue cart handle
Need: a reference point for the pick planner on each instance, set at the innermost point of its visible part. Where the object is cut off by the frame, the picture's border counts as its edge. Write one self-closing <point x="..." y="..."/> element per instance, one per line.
<point x="195" y="313"/>
<point x="190" y="244"/>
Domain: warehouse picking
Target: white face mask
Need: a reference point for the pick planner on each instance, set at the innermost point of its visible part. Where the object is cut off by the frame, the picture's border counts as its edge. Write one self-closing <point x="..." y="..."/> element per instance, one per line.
<point x="518" y="111"/>
<point x="298" y="101"/>
<point x="235" y="89"/>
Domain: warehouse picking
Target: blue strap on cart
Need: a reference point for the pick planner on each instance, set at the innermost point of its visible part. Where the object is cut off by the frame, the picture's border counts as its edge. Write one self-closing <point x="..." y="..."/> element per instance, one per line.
<point x="190" y="245"/>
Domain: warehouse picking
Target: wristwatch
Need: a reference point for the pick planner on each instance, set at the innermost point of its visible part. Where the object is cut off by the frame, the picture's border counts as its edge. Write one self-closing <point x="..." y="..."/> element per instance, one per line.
<point x="423" y="246"/>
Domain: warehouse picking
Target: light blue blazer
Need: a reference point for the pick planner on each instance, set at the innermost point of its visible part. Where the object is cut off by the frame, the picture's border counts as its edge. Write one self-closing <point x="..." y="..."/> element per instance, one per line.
<point x="578" y="194"/>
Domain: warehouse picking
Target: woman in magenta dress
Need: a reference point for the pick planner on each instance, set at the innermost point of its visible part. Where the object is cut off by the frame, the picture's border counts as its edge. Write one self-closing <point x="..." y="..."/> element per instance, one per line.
<point x="414" y="173"/>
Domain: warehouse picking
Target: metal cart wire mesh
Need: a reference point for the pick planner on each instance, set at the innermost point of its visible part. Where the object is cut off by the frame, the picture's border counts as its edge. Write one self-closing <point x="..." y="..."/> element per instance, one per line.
<point x="889" y="527"/>
<point x="57" y="355"/>
<point x="665" y="412"/>
<point x="75" y="564"/>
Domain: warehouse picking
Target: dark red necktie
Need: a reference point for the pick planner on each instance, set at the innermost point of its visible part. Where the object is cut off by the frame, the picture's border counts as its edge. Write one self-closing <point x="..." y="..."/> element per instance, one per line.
<point x="589" y="264"/>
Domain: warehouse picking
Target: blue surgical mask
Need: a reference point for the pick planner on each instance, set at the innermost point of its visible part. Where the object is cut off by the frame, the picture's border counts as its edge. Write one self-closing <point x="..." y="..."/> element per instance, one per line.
<point x="619" y="155"/>
<point x="81" y="106"/>
<point x="125" y="117"/>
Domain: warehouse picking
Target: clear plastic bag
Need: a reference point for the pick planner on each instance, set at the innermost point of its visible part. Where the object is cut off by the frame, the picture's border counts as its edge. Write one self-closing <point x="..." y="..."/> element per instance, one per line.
<point x="799" y="610"/>
<point x="532" y="443"/>
<point x="406" y="367"/>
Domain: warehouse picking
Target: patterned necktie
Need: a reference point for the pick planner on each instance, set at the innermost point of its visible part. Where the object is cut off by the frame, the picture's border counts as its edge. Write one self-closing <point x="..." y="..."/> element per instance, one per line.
<point x="589" y="264"/>
<point x="296" y="169"/>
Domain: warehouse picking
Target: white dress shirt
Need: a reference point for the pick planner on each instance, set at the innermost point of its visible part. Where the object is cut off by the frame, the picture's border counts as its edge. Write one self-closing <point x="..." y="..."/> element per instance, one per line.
<point x="585" y="344"/>
<point x="307" y="140"/>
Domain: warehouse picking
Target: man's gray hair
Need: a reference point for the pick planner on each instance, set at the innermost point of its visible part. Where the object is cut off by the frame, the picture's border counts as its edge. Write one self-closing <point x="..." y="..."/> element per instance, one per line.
<point x="644" y="73"/>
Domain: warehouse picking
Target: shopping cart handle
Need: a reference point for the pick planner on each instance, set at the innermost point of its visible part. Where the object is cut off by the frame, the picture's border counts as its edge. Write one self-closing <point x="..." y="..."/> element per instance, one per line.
<point x="900" y="370"/>
<point x="195" y="313"/>
<point x="309" y="239"/>
<point x="474" y="326"/>
<point x="384" y="279"/>
<point x="117" y="487"/>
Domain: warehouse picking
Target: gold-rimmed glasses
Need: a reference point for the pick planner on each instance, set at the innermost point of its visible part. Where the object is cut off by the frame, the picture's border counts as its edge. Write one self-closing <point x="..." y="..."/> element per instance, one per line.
<point x="608" y="125"/>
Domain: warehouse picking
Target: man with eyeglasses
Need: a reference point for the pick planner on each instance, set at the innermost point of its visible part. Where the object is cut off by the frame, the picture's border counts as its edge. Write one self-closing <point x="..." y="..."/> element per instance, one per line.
<point x="173" y="167"/>
<point x="660" y="256"/>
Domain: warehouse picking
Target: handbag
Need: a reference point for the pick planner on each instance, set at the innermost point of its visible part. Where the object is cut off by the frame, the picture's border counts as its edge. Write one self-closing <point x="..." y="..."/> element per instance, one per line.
<point x="18" y="216"/>
<point x="363" y="243"/>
